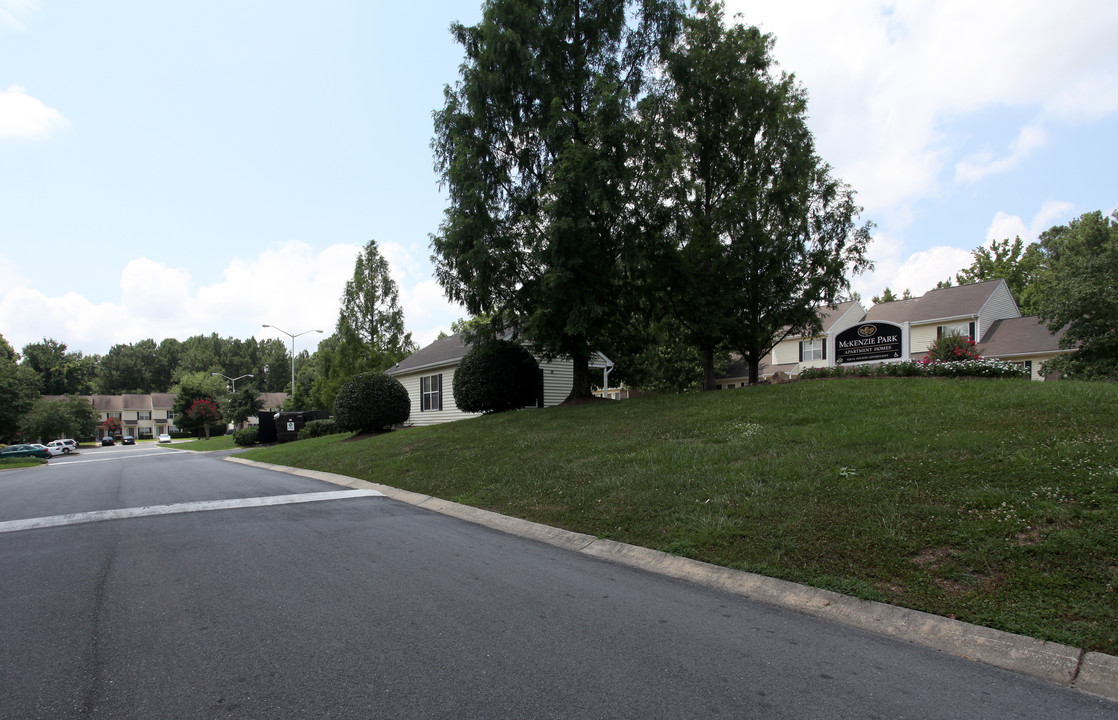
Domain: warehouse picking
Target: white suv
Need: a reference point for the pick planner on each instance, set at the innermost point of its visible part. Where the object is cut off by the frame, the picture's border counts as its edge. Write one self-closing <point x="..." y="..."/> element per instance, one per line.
<point x="62" y="446"/>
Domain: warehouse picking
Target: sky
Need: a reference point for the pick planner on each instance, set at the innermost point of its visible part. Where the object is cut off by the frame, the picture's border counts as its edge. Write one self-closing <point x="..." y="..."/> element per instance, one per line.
<point x="171" y="169"/>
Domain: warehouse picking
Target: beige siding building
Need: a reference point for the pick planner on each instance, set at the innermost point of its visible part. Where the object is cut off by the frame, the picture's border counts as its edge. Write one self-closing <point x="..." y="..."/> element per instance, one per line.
<point x="985" y="312"/>
<point x="148" y="416"/>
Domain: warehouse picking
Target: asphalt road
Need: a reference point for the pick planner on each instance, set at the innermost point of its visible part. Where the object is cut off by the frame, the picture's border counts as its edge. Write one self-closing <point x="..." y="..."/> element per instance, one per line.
<point x="365" y="607"/>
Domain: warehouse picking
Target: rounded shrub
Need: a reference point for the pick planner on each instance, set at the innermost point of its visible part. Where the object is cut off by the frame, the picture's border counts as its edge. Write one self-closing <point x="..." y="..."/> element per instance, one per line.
<point x="494" y="376"/>
<point x="369" y="402"/>
<point x="318" y="428"/>
<point x="247" y="436"/>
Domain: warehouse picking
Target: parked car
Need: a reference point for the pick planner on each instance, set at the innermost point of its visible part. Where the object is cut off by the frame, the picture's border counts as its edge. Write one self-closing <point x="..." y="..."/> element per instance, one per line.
<point x="66" y="446"/>
<point x="128" y="440"/>
<point x="164" y="438"/>
<point x="25" y="451"/>
<point x="52" y="449"/>
<point x="107" y="440"/>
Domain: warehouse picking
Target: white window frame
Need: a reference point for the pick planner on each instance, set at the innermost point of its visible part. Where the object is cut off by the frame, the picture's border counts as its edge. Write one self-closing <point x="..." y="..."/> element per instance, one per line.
<point x="431" y="393"/>
<point x="813" y="350"/>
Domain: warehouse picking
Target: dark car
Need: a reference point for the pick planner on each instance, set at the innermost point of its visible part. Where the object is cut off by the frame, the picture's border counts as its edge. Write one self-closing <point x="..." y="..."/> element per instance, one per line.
<point x="128" y="440"/>
<point x="24" y="451"/>
<point x="107" y="440"/>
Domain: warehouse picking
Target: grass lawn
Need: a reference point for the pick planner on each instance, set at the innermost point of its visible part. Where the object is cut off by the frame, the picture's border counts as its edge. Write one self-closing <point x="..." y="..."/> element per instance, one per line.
<point x="992" y="501"/>
<point x="20" y="462"/>
<point x="216" y="442"/>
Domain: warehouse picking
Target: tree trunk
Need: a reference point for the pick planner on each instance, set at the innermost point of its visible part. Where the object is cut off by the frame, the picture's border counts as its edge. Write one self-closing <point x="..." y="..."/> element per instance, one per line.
<point x="753" y="371"/>
<point x="708" y="366"/>
<point x="580" y="387"/>
<point x="207" y="431"/>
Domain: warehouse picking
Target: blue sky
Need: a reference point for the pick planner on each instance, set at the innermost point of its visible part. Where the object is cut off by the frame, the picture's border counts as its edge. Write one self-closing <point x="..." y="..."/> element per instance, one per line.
<point x="169" y="169"/>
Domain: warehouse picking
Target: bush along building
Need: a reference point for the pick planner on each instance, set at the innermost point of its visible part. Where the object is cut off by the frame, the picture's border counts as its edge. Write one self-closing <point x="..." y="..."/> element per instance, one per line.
<point x="904" y="330"/>
<point x="428" y="376"/>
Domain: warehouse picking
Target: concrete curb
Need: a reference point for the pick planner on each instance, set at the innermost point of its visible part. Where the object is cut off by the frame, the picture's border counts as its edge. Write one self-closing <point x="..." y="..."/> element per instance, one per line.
<point x="1089" y="672"/>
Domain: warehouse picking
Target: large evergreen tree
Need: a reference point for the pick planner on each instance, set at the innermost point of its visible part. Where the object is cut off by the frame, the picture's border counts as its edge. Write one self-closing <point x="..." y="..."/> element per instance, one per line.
<point x="759" y="233"/>
<point x="536" y="146"/>
<point x="371" y="322"/>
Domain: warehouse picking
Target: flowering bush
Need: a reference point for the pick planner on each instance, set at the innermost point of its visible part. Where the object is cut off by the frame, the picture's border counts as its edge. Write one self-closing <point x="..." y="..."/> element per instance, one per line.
<point x="112" y="426"/>
<point x="204" y="412"/>
<point x="953" y="347"/>
<point x="981" y="367"/>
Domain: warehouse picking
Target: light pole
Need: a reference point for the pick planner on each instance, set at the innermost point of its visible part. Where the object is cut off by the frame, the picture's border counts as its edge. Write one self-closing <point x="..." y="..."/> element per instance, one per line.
<point x="292" y="336"/>
<point x="232" y="381"/>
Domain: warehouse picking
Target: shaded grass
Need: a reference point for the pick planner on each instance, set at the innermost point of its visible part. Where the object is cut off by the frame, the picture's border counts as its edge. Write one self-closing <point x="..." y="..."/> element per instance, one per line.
<point x="992" y="501"/>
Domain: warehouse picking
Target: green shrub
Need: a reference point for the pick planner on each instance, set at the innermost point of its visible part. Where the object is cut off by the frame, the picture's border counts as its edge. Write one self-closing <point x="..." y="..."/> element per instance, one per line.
<point x="369" y="402"/>
<point x="318" y="428"/>
<point x="248" y="436"/>
<point x="495" y="376"/>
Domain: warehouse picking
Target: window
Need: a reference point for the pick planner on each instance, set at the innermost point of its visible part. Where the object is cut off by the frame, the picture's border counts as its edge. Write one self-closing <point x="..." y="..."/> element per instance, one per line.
<point x="963" y="328"/>
<point x="431" y="390"/>
<point x="813" y="349"/>
<point x="143" y="415"/>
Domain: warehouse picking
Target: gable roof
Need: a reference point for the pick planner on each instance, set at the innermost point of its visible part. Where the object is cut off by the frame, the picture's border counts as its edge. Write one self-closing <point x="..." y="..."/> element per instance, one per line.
<point x="939" y="304"/>
<point x="898" y="311"/>
<point x="444" y="351"/>
<point x="828" y="316"/>
<point x="958" y="301"/>
<point x="1020" y="336"/>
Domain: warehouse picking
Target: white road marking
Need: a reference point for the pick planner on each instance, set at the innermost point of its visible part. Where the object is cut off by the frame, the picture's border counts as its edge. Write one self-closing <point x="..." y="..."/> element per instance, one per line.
<point x="114" y="457"/>
<point x="201" y="506"/>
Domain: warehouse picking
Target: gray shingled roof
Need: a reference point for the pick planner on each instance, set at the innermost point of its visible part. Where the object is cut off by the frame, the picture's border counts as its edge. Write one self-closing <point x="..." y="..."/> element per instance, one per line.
<point x="898" y="311"/>
<point x="444" y="351"/>
<point x="938" y="304"/>
<point x="956" y="301"/>
<point x="1019" y="336"/>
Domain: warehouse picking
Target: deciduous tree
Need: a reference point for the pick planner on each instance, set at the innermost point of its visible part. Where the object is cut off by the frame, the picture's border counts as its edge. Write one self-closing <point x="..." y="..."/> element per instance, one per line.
<point x="1076" y="289"/>
<point x="19" y="389"/>
<point x="759" y="233"/>
<point x="1013" y="262"/>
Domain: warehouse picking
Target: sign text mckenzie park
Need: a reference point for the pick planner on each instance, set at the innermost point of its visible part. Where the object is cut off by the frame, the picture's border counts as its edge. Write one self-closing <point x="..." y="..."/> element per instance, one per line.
<point x="868" y="341"/>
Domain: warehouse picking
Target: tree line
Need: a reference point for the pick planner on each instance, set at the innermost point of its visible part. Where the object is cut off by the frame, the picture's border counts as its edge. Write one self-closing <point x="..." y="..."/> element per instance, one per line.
<point x="369" y="335"/>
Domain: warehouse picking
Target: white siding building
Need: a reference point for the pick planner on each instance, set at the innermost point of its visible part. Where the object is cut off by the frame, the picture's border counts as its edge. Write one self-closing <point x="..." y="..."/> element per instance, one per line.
<point x="428" y="376"/>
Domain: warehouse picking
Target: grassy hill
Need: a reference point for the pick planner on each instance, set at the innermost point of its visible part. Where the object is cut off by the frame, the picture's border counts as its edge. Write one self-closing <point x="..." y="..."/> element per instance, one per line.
<point x="993" y="501"/>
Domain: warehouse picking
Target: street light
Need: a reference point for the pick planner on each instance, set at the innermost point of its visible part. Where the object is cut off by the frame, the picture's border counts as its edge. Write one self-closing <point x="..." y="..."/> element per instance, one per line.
<point x="292" y="336"/>
<point x="232" y="381"/>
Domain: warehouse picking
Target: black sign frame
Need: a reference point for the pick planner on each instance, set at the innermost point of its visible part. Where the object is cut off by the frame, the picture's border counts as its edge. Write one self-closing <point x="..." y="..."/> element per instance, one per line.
<point x="868" y="341"/>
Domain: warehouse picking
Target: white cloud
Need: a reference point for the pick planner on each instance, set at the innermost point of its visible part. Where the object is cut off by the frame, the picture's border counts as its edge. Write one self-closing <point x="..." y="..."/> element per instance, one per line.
<point x="1005" y="226"/>
<point x="11" y="10"/>
<point x="22" y="116"/>
<point x="918" y="272"/>
<point x="979" y="166"/>
<point x="885" y="78"/>
<point x="289" y="285"/>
